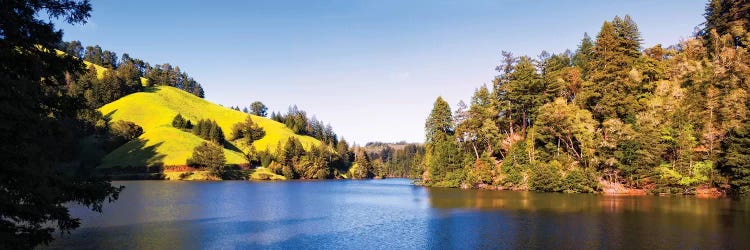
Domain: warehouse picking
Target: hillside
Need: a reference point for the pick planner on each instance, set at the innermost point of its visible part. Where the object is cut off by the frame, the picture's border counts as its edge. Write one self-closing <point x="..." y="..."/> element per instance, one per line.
<point x="161" y="143"/>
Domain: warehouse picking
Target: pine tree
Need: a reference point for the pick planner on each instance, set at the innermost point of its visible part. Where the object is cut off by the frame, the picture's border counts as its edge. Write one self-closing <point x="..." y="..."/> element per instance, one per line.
<point x="439" y="125"/>
<point x="363" y="168"/>
<point x="583" y="56"/>
<point x="609" y="91"/>
<point x="629" y="38"/>
<point x="525" y="92"/>
<point x="178" y="122"/>
<point x="735" y="158"/>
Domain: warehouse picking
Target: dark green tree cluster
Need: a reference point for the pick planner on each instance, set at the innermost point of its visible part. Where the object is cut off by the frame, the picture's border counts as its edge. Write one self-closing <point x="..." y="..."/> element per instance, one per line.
<point x="609" y="115"/>
<point x="126" y="130"/>
<point x="363" y="167"/>
<point x="248" y="131"/>
<point x="40" y="125"/>
<point x="396" y="160"/>
<point x="130" y="70"/>
<point x="97" y="91"/>
<point x="443" y="166"/>
<point x="297" y="120"/>
<point x="181" y="123"/>
<point x="318" y="162"/>
<point x="209" y="130"/>
<point x="256" y="108"/>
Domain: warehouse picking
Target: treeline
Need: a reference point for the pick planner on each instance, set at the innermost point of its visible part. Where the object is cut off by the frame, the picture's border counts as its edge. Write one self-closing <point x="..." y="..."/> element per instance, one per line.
<point x="395" y="159"/>
<point x="610" y="115"/>
<point x="297" y="120"/>
<point x="290" y="159"/>
<point x="132" y="69"/>
<point x="256" y="108"/>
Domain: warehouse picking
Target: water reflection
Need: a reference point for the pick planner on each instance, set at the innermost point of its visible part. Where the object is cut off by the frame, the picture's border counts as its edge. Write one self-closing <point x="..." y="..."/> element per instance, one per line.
<point x="482" y="218"/>
<point x="392" y="214"/>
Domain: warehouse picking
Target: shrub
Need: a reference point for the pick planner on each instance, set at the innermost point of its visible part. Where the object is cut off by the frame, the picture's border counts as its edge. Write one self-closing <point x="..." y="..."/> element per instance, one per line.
<point x="125" y="130"/>
<point x="209" y="155"/>
<point x="546" y="177"/>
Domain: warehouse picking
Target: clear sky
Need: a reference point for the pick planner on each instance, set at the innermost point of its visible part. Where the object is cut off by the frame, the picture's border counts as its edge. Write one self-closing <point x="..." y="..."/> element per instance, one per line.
<point x="372" y="69"/>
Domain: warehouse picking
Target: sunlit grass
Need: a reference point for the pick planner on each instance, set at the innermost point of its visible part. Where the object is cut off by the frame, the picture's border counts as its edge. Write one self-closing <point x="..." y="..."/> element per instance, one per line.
<point x="154" y="110"/>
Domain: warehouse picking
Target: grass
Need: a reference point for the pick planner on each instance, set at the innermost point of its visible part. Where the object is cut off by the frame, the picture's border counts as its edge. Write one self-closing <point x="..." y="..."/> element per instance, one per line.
<point x="162" y="144"/>
<point x="265" y="174"/>
<point x="196" y="176"/>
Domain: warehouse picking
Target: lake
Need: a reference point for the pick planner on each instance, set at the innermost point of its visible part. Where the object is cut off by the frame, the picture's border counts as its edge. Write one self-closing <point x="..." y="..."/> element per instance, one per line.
<point x="393" y="214"/>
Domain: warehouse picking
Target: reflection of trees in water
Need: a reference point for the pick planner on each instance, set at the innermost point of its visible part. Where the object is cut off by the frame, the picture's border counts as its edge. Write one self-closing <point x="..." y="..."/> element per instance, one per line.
<point x="557" y="202"/>
<point x="507" y="219"/>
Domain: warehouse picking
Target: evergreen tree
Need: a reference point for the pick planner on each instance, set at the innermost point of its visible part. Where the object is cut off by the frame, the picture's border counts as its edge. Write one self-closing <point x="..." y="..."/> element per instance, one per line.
<point x="526" y="91"/>
<point x="584" y="54"/>
<point x="735" y="158"/>
<point x="439" y="125"/>
<point x="215" y="133"/>
<point x="363" y="168"/>
<point x="178" y="122"/>
<point x="248" y="130"/>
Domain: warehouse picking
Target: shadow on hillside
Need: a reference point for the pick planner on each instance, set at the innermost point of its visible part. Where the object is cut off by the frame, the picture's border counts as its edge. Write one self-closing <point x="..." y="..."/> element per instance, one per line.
<point x="231" y="146"/>
<point x="150" y="89"/>
<point x="108" y="116"/>
<point x="137" y="163"/>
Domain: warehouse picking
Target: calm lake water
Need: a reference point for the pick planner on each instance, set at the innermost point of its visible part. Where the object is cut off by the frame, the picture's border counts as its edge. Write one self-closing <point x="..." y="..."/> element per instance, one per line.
<point x="393" y="214"/>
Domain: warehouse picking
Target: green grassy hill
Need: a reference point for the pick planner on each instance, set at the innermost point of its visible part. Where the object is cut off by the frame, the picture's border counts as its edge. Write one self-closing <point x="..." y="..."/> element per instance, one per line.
<point x="161" y="143"/>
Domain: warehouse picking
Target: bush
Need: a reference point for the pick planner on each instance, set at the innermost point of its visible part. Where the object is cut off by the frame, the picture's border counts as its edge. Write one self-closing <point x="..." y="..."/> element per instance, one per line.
<point x="452" y="179"/>
<point x="209" y="155"/>
<point x="578" y="180"/>
<point x="546" y="177"/>
<point x="125" y="130"/>
<point x="185" y="175"/>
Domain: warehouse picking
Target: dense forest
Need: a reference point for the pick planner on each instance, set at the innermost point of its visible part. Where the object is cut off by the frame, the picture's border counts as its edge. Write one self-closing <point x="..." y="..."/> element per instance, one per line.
<point x="126" y="73"/>
<point x="611" y="115"/>
<point x="395" y="159"/>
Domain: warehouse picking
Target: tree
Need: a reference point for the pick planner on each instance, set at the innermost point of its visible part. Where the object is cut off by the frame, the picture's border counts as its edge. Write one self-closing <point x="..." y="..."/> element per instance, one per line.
<point x="735" y="158"/>
<point x="73" y="48"/>
<point x="126" y="130"/>
<point x="725" y="17"/>
<point x="215" y="133"/>
<point x="290" y="156"/>
<point x="178" y="121"/>
<point x="34" y="186"/>
<point x="363" y="168"/>
<point x="94" y="55"/>
<point x="209" y="155"/>
<point x="477" y="127"/>
<point x="259" y="109"/>
<point x="248" y="130"/>
<point x="611" y="91"/>
<point x="563" y="127"/>
<point x="584" y="54"/>
<point x="526" y="92"/>
<point x="439" y="124"/>
<point x="109" y="59"/>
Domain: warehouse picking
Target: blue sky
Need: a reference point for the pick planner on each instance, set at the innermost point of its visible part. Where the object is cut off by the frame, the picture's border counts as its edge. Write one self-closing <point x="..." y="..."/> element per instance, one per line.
<point x="370" y="68"/>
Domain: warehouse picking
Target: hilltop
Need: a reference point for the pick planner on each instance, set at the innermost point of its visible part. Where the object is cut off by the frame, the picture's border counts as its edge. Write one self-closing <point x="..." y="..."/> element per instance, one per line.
<point x="162" y="144"/>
